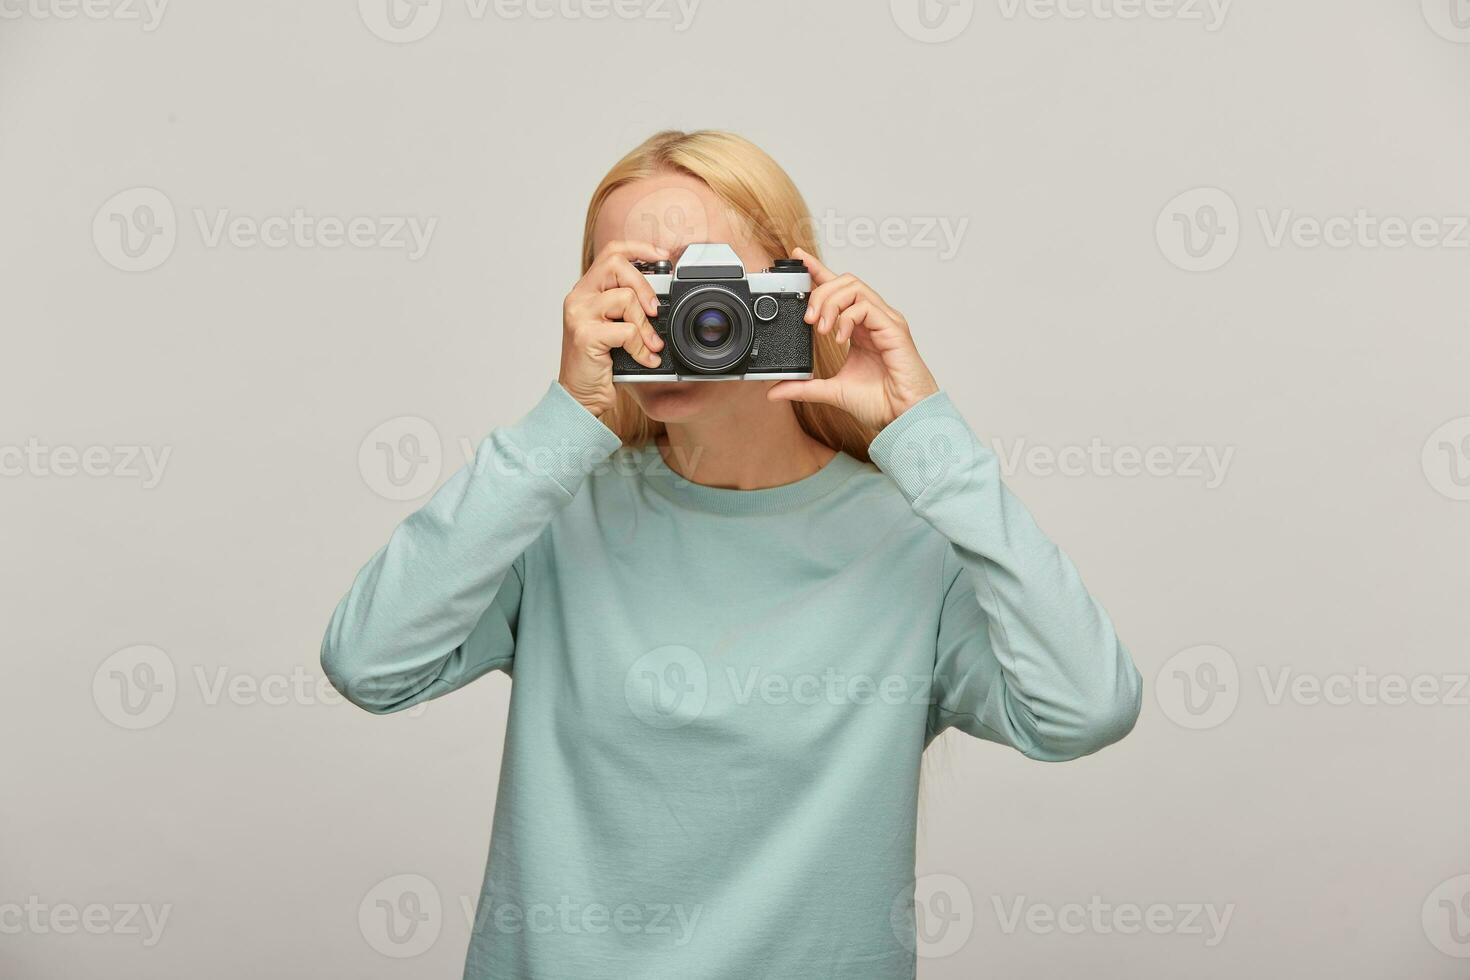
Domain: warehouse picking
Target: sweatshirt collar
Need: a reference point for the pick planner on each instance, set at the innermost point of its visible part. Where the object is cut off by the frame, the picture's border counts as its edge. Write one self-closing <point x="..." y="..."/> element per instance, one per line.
<point x="723" y="500"/>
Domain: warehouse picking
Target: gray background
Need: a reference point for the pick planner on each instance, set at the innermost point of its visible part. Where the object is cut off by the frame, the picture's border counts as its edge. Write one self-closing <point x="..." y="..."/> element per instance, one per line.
<point x="270" y="821"/>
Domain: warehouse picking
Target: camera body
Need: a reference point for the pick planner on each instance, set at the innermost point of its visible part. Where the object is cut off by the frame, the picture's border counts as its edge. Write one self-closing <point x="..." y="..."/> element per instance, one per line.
<point x="720" y="324"/>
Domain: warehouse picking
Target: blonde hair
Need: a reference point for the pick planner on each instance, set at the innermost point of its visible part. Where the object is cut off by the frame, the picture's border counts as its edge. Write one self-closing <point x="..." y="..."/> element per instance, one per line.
<point x="763" y="199"/>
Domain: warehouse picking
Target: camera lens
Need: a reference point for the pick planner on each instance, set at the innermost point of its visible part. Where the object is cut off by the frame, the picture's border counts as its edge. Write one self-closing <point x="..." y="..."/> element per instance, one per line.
<point x="712" y="328"/>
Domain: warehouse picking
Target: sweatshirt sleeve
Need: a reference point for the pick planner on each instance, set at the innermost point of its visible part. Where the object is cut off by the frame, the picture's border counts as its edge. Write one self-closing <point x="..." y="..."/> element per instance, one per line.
<point x="436" y="607"/>
<point x="1025" y="656"/>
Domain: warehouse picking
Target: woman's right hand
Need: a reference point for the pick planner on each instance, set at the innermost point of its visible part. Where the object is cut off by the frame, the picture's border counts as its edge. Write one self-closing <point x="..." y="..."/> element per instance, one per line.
<point x="609" y="307"/>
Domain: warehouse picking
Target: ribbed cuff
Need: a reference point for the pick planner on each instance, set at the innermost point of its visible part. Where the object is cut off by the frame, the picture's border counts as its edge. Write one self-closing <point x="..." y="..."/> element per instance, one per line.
<point x="929" y="445"/>
<point x="559" y="438"/>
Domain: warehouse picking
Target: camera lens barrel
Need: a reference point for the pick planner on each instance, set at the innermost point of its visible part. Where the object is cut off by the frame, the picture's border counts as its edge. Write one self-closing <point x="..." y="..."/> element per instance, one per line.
<point x="711" y="329"/>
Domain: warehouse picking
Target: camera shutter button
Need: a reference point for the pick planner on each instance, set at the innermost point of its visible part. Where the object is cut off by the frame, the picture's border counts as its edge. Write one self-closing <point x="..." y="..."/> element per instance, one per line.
<point x="766" y="308"/>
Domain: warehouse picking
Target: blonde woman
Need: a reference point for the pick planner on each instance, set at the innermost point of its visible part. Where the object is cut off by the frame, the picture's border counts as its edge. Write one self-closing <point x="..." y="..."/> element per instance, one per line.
<point x="735" y="614"/>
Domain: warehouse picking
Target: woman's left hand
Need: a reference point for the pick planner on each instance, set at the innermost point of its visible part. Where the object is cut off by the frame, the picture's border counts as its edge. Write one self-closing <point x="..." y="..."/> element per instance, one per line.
<point x="883" y="376"/>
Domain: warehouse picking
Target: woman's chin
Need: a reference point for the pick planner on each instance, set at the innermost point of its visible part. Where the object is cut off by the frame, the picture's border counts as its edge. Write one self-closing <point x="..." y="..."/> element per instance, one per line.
<point x="677" y="401"/>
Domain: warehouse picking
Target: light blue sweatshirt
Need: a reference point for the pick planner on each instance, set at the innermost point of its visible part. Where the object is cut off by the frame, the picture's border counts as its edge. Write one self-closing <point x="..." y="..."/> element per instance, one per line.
<point x="720" y="697"/>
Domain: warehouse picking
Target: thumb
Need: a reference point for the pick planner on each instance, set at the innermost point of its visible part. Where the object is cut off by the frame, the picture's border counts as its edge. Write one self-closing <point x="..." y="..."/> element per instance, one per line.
<point x="823" y="390"/>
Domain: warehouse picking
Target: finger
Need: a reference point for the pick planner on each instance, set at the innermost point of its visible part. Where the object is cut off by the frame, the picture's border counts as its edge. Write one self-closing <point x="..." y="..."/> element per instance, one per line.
<point x="645" y="338"/>
<point x="620" y="307"/>
<point x="870" y="324"/>
<point x="814" y="267"/>
<point x="611" y="303"/>
<point x="840" y="283"/>
<point x="823" y="391"/>
<point x="849" y="319"/>
<point x="599" y="319"/>
<point x="838" y="295"/>
<point x="826" y="289"/>
<point x="615" y="271"/>
<point x="630" y="339"/>
<point x="632" y="251"/>
<point x="601" y="336"/>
